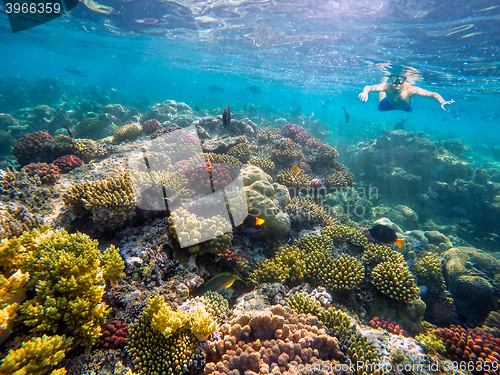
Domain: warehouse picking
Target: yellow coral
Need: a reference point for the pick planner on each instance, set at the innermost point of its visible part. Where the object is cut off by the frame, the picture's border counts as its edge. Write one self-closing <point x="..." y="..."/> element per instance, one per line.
<point x="265" y="164"/>
<point x="287" y="263"/>
<point x="395" y="280"/>
<point x="428" y="270"/>
<point x="112" y="264"/>
<point x="306" y="210"/>
<point x="36" y="356"/>
<point x="340" y="234"/>
<point x="201" y="324"/>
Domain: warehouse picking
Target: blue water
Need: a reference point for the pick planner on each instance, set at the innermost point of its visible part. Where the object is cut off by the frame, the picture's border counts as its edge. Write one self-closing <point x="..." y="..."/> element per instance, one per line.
<point x="315" y="54"/>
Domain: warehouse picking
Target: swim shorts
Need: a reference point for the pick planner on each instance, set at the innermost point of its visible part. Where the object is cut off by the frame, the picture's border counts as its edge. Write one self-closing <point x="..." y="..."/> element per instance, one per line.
<point x="385" y="105"/>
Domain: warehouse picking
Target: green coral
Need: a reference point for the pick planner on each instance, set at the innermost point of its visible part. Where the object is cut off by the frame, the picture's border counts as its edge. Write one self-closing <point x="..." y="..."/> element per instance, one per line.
<point x="36" y="356"/>
<point x="287" y="263"/>
<point x="395" y="280"/>
<point x="430" y="343"/>
<point x="216" y="305"/>
<point x="344" y="272"/>
<point x="68" y="275"/>
<point x="375" y="254"/>
<point x="302" y="210"/>
<point x="159" y="348"/>
<point x="112" y="264"/>
<point x="90" y="127"/>
<point x="428" y="270"/>
<point x="263" y="163"/>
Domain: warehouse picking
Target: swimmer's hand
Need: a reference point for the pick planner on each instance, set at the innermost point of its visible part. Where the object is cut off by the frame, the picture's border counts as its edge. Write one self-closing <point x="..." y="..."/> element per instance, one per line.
<point x="363" y="96"/>
<point x="444" y="103"/>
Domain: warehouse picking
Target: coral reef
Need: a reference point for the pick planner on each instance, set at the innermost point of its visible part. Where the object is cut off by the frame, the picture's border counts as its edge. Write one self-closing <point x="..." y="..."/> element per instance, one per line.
<point x="158" y="343"/>
<point x="295" y="132"/>
<point x="395" y="281"/>
<point x="67" y="272"/>
<point x="31" y="148"/>
<point x="36" y="356"/>
<point x="287" y="263"/>
<point x="472" y="345"/>
<point x="127" y="132"/>
<point x="275" y="338"/>
<point x="151" y="125"/>
<point x="288" y="153"/>
<point x="241" y="151"/>
<point x="208" y="177"/>
<point x="339" y="180"/>
<point x="265" y="164"/>
<point x="388" y="324"/>
<point x="295" y="181"/>
<point x="469" y="274"/>
<point x="268" y="135"/>
<point x="46" y="173"/>
<point x="318" y="154"/>
<point x="15" y="219"/>
<point x="113" y="335"/>
<point x="216" y="305"/>
<point x="67" y="163"/>
<point x="305" y="212"/>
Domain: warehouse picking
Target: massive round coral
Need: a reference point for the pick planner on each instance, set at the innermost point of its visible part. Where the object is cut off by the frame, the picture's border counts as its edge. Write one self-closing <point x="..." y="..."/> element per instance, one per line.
<point x="67" y="163"/>
<point x="207" y="176"/>
<point x="295" y="132"/>
<point x="31" y="148"/>
<point x="151" y="125"/>
<point x="47" y="173"/>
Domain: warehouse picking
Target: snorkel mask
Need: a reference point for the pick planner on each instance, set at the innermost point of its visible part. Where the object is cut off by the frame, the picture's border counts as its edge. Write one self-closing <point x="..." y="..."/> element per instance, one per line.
<point x="397" y="80"/>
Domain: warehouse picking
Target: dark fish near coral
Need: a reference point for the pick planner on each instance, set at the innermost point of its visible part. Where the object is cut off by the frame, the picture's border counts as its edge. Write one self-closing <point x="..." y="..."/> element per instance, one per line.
<point x="68" y="130"/>
<point x="226" y="116"/>
<point x="347" y="117"/>
<point x="218" y="283"/>
<point x="214" y="88"/>
<point x="254" y="89"/>
<point x="400" y="125"/>
<point x="385" y="234"/>
<point x="77" y="72"/>
<point x="250" y="225"/>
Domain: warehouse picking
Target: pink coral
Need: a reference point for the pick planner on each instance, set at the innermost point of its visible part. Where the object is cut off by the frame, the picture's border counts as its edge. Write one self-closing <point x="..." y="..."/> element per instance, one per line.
<point x="113" y="335"/>
<point x="295" y="132"/>
<point x="67" y="163"/>
<point x="388" y="324"/>
<point x="205" y="175"/>
<point x="31" y="148"/>
<point x="150" y="126"/>
<point x="261" y="341"/>
<point x="47" y="173"/>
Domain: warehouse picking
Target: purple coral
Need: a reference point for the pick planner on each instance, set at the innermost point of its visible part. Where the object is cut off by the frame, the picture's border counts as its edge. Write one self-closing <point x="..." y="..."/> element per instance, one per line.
<point x="205" y="175"/>
<point x="295" y="132"/>
<point x="31" y="148"/>
<point x="150" y="126"/>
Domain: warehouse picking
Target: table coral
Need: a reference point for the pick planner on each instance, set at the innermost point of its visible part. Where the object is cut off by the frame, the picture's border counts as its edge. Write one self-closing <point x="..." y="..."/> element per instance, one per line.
<point x="67" y="272"/>
<point x="36" y="356"/>
<point x="395" y="280"/>
<point x="288" y="153"/>
<point x="265" y="164"/>
<point x="259" y="341"/>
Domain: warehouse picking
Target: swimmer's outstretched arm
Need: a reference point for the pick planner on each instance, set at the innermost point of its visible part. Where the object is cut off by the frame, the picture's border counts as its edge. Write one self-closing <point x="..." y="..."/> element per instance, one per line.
<point x="430" y="94"/>
<point x="378" y="87"/>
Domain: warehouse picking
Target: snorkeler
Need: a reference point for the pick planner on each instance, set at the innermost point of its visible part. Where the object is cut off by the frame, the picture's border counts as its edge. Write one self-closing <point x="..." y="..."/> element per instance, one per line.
<point x="396" y="93"/>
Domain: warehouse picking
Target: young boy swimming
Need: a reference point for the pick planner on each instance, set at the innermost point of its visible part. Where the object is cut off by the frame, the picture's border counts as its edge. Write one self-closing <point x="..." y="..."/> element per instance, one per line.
<point x="396" y="93"/>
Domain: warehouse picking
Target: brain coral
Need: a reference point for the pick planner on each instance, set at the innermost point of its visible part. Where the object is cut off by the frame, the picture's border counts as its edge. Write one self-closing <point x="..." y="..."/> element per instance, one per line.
<point x="267" y="200"/>
<point x="270" y="340"/>
<point x="469" y="277"/>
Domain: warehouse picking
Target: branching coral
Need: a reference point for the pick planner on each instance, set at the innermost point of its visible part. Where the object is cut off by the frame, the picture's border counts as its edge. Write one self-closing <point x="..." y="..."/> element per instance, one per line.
<point x="342" y="235"/>
<point x="241" y="151"/>
<point x="216" y="305"/>
<point x="268" y="135"/>
<point x="67" y="163"/>
<point x="15" y="219"/>
<point x="344" y="272"/>
<point x="265" y="164"/>
<point x="306" y="211"/>
<point x="68" y="276"/>
<point x="395" y="281"/>
<point x="428" y="270"/>
<point x="295" y="132"/>
<point x="36" y="356"/>
<point x="294" y="179"/>
<point x="288" y="263"/>
<point x="339" y="180"/>
<point x="288" y="153"/>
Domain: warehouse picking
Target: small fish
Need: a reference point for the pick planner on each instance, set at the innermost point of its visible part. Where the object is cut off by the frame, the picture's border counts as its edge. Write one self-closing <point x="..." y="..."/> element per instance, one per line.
<point x="214" y="88"/>
<point x="77" y="72"/>
<point x="400" y="125"/>
<point x="250" y="225"/>
<point x="385" y="234"/>
<point x="347" y="117"/>
<point x="226" y="116"/>
<point x="295" y="169"/>
<point x="254" y="89"/>
<point x="68" y="130"/>
<point x="266" y="126"/>
<point x="218" y="283"/>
